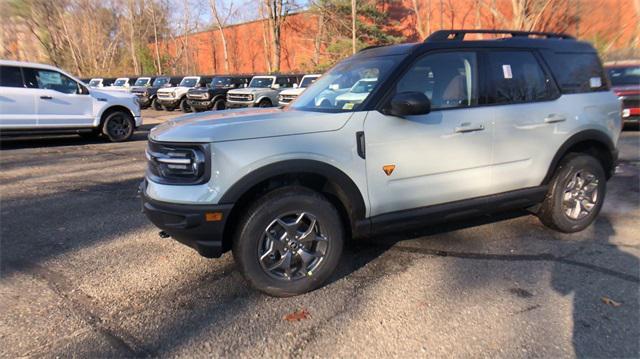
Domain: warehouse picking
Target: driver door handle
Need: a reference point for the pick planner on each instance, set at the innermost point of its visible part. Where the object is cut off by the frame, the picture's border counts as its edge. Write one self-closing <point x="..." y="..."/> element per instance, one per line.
<point x="553" y="118"/>
<point x="46" y="97"/>
<point x="467" y="127"/>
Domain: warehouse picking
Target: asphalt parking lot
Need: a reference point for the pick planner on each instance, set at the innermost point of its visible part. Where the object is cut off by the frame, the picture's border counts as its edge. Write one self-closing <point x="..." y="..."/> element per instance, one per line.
<point x="83" y="273"/>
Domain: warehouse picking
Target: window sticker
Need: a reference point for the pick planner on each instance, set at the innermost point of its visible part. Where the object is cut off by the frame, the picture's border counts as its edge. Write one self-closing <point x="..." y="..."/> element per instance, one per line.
<point x="506" y="71"/>
<point x="595" y="82"/>
<point x="347" y="106"/>
<point x="49" y="77"/>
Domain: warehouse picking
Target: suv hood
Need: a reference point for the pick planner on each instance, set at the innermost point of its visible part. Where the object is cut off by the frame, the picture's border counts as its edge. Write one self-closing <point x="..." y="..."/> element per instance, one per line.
<point x="246" y="123"/>
<point x="296" y="91"/>
<point x="250" y="90"/>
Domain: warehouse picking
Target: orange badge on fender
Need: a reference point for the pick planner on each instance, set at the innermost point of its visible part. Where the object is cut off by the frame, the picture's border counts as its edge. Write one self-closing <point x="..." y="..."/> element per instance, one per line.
<point x="388" y="169"/>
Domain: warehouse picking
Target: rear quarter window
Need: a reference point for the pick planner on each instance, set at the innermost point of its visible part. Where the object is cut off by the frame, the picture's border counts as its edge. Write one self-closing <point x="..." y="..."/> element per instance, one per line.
<point x="577" y="72"/>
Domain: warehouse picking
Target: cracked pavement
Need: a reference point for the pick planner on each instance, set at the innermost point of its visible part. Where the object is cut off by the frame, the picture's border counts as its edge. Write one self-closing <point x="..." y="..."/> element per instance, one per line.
<point x="83" y="273"/>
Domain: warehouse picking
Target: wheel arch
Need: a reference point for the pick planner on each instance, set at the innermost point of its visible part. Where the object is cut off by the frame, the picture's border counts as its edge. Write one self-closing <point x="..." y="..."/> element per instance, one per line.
<point x="593" y="142"/>
<point x="111" y="109"/>
<point x="332" y="182"/>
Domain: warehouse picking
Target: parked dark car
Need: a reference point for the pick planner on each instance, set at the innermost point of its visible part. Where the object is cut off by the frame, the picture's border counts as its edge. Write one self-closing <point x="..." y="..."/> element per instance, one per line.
<point x="147" y="94"/>
<point x="214" y="95"/>
<point x="625" y="82"/>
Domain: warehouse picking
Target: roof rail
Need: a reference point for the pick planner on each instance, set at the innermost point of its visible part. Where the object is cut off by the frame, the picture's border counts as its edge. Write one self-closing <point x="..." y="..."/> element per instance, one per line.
<point x="458" y="35"/>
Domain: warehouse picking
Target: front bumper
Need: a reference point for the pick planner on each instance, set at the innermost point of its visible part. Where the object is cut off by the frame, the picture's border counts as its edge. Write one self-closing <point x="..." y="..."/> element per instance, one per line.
<point x="188" y="224"/>
<point x="236" y="104"/>
<point x="200" y="104"/>
<point x="169" y="102"/>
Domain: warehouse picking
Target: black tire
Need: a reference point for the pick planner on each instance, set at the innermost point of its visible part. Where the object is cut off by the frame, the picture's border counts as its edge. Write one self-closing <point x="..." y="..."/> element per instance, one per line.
<point x="170" y="109"/>
<point x="156" y="105"/>
<point x="265" y="102"/>
<point x="220" y="104"/>
<point x="570" y="205"/>
<point x="184" y="106"/>
<point x="118" y="126"/>
<point x="250" y="239"/>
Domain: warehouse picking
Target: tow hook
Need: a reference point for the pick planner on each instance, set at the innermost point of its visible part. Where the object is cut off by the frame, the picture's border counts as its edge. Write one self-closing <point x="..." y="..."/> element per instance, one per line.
<point x="163" y="234"/>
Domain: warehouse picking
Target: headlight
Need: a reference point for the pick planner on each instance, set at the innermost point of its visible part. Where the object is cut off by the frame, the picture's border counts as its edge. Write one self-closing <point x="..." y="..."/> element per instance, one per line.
<point x="280" y="98"/>
<point x="178" y="163"/>
<point x="250" y="97"/>
<point x="173" y="94"/>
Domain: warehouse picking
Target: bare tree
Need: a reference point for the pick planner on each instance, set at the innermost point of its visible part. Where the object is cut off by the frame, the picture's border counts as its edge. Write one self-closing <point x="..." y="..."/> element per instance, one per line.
<point x="220" y="21"/>
<point x="353" y="26"/>
<point x="277" y="11"/>
<point x="416" y="11"/>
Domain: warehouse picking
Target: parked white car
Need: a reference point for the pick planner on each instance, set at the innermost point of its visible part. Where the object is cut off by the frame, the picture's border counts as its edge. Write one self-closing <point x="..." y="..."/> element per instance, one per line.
<point x="120" y="84"/>
<point x="99" y="82"/>
<point x="37" y="98"/>
<point x="288" y="95"/>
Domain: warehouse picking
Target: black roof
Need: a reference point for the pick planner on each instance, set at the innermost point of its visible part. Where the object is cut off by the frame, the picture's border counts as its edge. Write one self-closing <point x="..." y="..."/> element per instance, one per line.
<point x="450" y="39"/>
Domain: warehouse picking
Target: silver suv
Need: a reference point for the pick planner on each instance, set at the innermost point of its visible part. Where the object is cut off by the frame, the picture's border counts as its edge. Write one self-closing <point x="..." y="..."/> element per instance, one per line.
<point x="449" y="128"/>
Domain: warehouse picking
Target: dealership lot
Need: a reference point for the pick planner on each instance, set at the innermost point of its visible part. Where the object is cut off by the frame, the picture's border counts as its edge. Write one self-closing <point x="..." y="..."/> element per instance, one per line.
<point x="84" y="272"/>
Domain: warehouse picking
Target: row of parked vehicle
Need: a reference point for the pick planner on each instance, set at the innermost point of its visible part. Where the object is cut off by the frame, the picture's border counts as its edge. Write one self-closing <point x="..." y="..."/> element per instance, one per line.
<point x="206" y="93"/>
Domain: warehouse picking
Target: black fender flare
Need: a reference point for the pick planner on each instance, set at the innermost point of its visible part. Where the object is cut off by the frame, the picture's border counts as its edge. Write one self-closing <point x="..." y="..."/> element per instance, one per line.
<point x="582" y="136"/>
<point x="350" y="193"/>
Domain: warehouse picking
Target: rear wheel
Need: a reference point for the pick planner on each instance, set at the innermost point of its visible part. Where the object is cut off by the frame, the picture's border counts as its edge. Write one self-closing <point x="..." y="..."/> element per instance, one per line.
<point x="184" y="106"/>
<point x="576" y="194"/>
<point x="289" y="242"/>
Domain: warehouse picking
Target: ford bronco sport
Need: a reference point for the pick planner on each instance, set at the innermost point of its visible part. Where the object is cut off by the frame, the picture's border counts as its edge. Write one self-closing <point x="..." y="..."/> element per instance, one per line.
<point x="262" y="91"/>
<point x="213" y="96"/>
<point x="451" y="128"/>
<point x="288" y="95"/>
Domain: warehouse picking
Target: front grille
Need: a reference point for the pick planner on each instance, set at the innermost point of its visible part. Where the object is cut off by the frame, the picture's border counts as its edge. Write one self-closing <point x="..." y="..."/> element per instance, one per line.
<point x="164" y="95"/>
<point x="631" y="101"/>
<point x="239" y="97"/>
<point x="287" y="98"/>
<point x="198" y="96"/>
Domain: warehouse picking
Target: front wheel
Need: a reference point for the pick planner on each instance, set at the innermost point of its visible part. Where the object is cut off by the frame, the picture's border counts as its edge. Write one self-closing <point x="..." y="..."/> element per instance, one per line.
<point x="184" y="106"/>
<point x="265" y="102"/>
<point x="219" y="105"/>
<point x="576" y="194"/>
<point x="289" y="242"/>
<point x="118" y="126"/>
<point x="156" y="105"/>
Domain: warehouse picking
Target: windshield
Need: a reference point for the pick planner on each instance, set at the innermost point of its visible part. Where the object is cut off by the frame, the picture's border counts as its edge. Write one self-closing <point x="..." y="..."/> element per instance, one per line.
<point x="623" y="76"/>
<point x="188" y="82"/>
<point x="120" y="82"/>
<point x="160" y="81"/>
<point x="220" y="82"/>
<point x="142" y="82"/>
<point x="95" y="83"/>
<point x="261" y="82"/>
<point x="307" y="81"/>
<point x="347" y="85"/>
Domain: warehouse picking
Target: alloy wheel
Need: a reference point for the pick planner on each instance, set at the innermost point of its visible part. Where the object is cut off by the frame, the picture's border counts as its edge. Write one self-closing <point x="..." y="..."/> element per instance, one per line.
<point x="118" y="127"/>
<point x="292" y="246"/>
<point x="580" y="195"/>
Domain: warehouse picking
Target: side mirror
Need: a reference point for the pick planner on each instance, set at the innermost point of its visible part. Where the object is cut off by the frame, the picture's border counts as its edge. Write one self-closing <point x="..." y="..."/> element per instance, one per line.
<point x="275" y="86"/>
<point x="334" y="87"/>
<point x="295" y="86"/>
<point x="245" y="85"/>
<point x="409" y="104"/>
<point x="82" y="90"/>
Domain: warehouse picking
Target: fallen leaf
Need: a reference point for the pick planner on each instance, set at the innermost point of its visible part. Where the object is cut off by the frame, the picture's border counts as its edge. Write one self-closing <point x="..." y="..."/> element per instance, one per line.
<point x="611" y="302"/>
<point x="297" y="316"/>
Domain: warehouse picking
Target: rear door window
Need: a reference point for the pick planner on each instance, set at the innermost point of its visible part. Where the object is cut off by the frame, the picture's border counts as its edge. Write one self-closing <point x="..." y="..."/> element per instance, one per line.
<point x="517" y="77"/>
<point x="11" y="76"/>
<point x="577" y="72"/>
